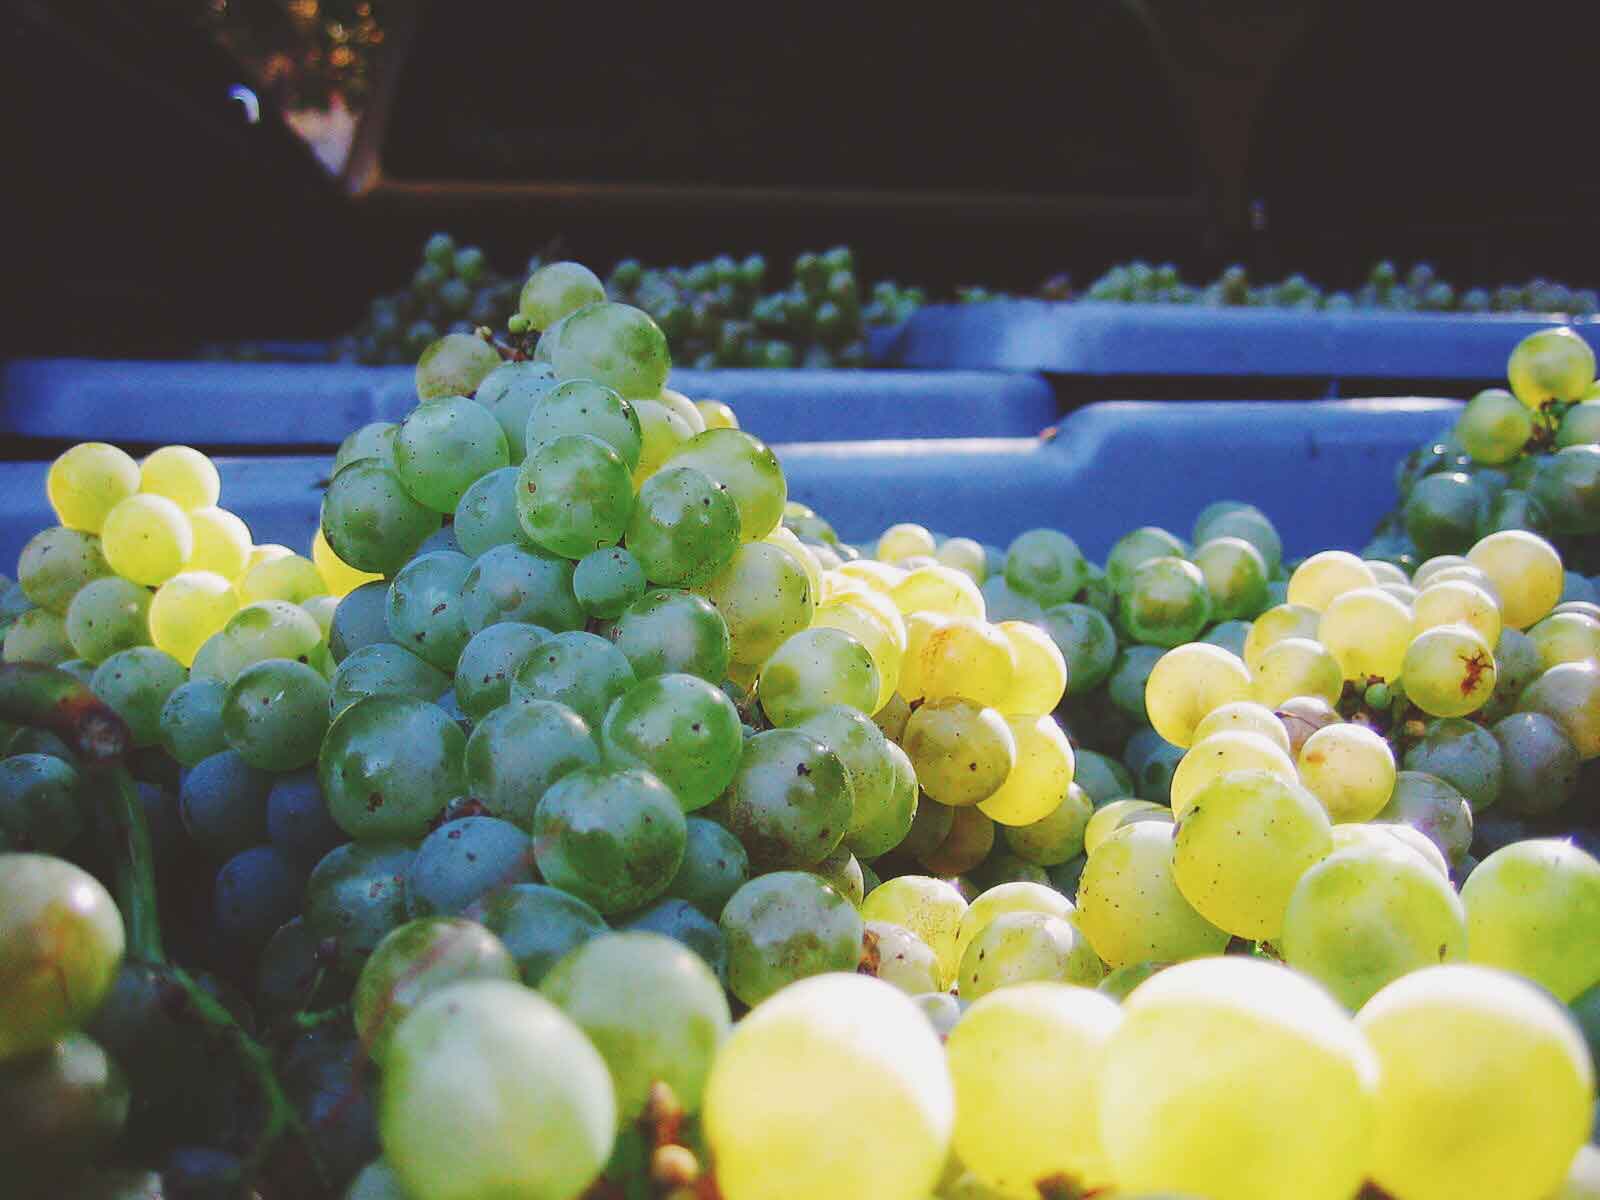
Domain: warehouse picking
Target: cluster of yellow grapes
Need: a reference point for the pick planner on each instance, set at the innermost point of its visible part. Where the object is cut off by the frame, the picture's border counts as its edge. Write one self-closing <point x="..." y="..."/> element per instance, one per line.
<point x="143" y="555"/>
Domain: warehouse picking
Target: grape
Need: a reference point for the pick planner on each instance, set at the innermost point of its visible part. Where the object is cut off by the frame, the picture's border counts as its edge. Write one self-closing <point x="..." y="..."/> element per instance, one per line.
<point x="259" y="631"/>
<point x="223" y="802"/>
<point x="61" y="942"/>
<point x="1038" y="782"/>
<point x="1443" y="512"/>
<point x="427" y="609"/>
<point x="389" y="765"/>
<point x="1236" y="577"/>
<point x="1221" y="753"/>
<point x="682" y="729"/>
<point x="661" y="432"/>
<point x="108" y="615"/>
<point x="1367" y="631"/>
<point x="1009" y="898"/>
<point x="487" y="514"/>
<point x="874" y="622"/>
<point x="1101" y="777"/>
<point x="147" y="539"/>
<point x="670" y="631"/>
<point x="56" y="563"/>
<point x="360" y="619"/>
<point x="519" y="750"/>
<point x="745" y="469"/>
<point x="555" y="290"/>
<point x="1463" y="754"/>
<point x="137" y="683"/>
<point x="1297" y="667"/>
<point x="1129" y="905"/>
<point x="1433" y="808"/>
<point x="1525" y="571"/>
<point x="1566" y="637"/>
<point x="1130" y="674"/>
<point x="274" y="714"/>
<point x="356" y="896"/>
<point x="1165" y="602"/>
<point x="683" y="527"/>
<point x="509" y="583"/>
<point x="607" y="581"/>
<point x="284" y="577"/>
<point x="899" y="957"/>
<point x="582" y="407"/>
<point x="580" y="670"/>
<point x="1368" y="914"/>
<point x="415" y="961"/>
<point x="1485" y="1088"/>
<point x="714" y="866"/>
<point x="87" y="482"/>
<point x="512" y="391"/>
<point x="1569" y="694"/>
<point x="717" y="415"/>
<point x="687" y="925"/>
<point x="1087" y="643"/>
<point x="454" y="366"/>
<point x="1186" y="1082"/>
<point x="1538" y="761"/>
<point x="372" y="440"/>
<point x="654" y="1011"/>
<point x="298" y="823"/>
<point x="574" y="494"/>
<point x="1325" y="575"/>
<point x="962" y="752"/>
<point x="1040" y="678"/>
<point x="931" y="908"/>
<point x="886" y="1139"/>
<point x="384" y="669"/>
<point x="882" y="802"/>
<point x="1243" y="716"/>
<point x="764" y="596"/>
<point x="784" y="926"/>
<point x="39" y="804"/>
<point x="1058" y="836"/>
<point x="814" y="669"/>
<point x="1551" y="364"/>
<point x="1026" y="947"/>
<point x="1188" y="683"/>
<point x="1045" y="566"/>
<point x="486" y="1082"/>
<point x="1109" y="818"/>
<point x="181" y="474"/>
<point x="187" y="609"/>
<point x="939" y="590"/>
<point x="613" y="837"/>
<point x="1455" y="601"/>
<point x="905" y="540"/>
<point x="790" y="800"/>
<point x="1138" y="547"/>
<point x="370" y="520"/>
<point x="466" y="859"/>
<point x="1278" y="623"/>
<point x="965" y="846"/>
<point x="256" y="892"/>
<point x="1448" y="671"/>
<point x="1530" y="909"/>
<point x="1494" y="427"/>
<point x="489" y="663"/>
<point x="1349" y="769"/>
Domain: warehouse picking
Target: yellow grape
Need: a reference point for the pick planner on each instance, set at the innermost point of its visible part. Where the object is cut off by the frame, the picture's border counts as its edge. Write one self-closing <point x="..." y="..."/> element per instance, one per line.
<point x="1282" y="621"/>
<point x="962" y="751"/>
<point x="785" y="538"/>
<point x="967" y="657"/>
<point x="1367" y="631"/>
<point x="1384" y="836"/>
<point x="1550" y="364"/>
<point x="903" y="541"/>
<point x="1244" y="716"/>
<point x="1114" y="814"/>
<point x="189" y="608"/>
<point x="965" y="555"/>
<point x="1038" y="783"/>
<point x="1027" y="947"/>
<point x="322" y="609"/>
<point x="87" y="482"/>
<point x="1018" y="896"/>
<point x="1189" y="682"/>
<point x="1129" y="905"/>
<point x="1221" y="753"/>
<point x="1432" y="566"/>
<point x="288" y="577"/>
<point x="147" y="539"/>
<point x="717" y="415"/>
<point x="1566" y="637"/>
<point x="1485" y="1092"/>
<point x="882" y="577"/>
<point x="338" y="576"/>
<point x="662" y="432"/>
<point x="968" y="842"/>
<point x="1041" y="672"/>
<point x="1327" y="574"/>
<point x="779" y="1125"/>
<point x="1011" y="1050"/>
<point x="684" y="407"/>
<point x="183" y="475"/>
<point x="1463" y="573"/>
<point x="1402" y="592"/>
<point x="1385" y="572"/>
<point x="1350" y="769"/>
<point x="939" y="589"/>
<point x="266" y="552"/>
<point x="222" y="542"/>
<point x="1449" y="671"/>
<point x="931" y="908"/>
<point x="1237" y="1079"/>
<point x="1297" y="667"/>
<point x="1526" y="571"/>
<point x="857" y="617"/>
<point x="920" y="626"/>
<point x="1457" y="602"/>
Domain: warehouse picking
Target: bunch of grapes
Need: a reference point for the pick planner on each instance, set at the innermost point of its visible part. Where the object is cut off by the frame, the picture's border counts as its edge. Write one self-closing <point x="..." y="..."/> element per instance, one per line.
<point x="583" y="811"/>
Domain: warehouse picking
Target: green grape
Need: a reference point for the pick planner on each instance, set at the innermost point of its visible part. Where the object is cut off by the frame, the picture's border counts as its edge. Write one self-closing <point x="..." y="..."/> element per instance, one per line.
<point x="1368" y="914"/>
<point x="582" y="407"/>
<point x="63" y="1106"/>
<point x="965" y="846"/>
<point x="887" y="1137"/>
<point x="536" y="924"/>
<point x="1580" y="425"/>
<point x="613" y="344"/>
<point x="1567" y="488"/>
<point x="1278" y="623"/>
<point x="557" y="289"/>
<point x="1235" y="574"/>
<point x="785" y="926"/>
<point x="1433" y="808"/>
<point x="61" y="943"/>
<point x="790" y="800"/>
<point x="511" y="392"/>
<point x="1531" y="910"/>
<point x="1219" y="753"/>
<point x="1109" y="818"/>
<point x="714" y="866"/>
<point x="1039" y="678"/>
<point x="667" y="631"/>
<point x="1566" y="637"/>
<point x="1569" y="694"/>
<point x="661" y="432"/>
<point x="1129" y="905"/>
<point x="574" y="494"/>
<point x="612" y="836"/>
<point x="1039" y="777"/>
<point x="137" y="683"/>
<point x="56" y="563"/>
<point x="606" y="581"/>
<point x="1016" y="897"/>
<point x="1009" y="1049"/>
<point x="287" y="577"/>
<point x="814" y="669"/>
<point x="744" y="468"/>
<point x="108" y="615"/>
<point x="1128" y="682"/>
<point x="428" y="609"/>
<point x="764" y="596"/>
<point x="1185" y="1082"/>
<point x="1058" y="836"/>
<point x="1537" y="764"/>
<point x="384" y="669"/>
<point x="1087" y="642"/>
<point x="1494" y="427"/>
<point x="360" y="619"/>
<point x="1457" y="602"/>
<point x="899" y="957"/>
<point x="191" y="721"/>
<point x="356" y="896"/>
<point x="454" y="366"/>
<point x="444" y="447"/>
<point x="87" y="482"/>
<point x="389" y="765"/>
<point x="370" y="519"/>
<point x="580" y="670"/>
<point x="1046" y="566"/>
<point x="512" y="583"/>
<point x="147" y="539"/>
<point x="1552" y="364"/>
<point x="39" y="805"/>
<point x="1249" y="524"/>
<point x="373" y="440"/>
<point x="1484" y="1086"/>
<point x="490" y="662"/>
<point x="37" y="636"/>
<point x="412" y="963"/>
<point x="1449" y="671"/>
<point x="962" y="752"/>
<point x="519" y="750"/>
<point x="682" y="729"/>
<point x="1463" y="754"/>
<point x="1026" y="947"/>
<point x="881" y="805"/>
<point x="1102" y="778"/>
<point x="653" y="1009"/>
<point x="1139" y="546"/>
<point x="274" y="714"/>
<point x="463" y="860"/>
<point x="684" y="526"/>
<point x="487" y="1087"/>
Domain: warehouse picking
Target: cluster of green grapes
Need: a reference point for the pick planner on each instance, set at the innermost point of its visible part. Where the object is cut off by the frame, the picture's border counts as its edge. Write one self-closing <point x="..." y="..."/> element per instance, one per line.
<point x="1420" y="290"/>
<point x="597" y="810"/>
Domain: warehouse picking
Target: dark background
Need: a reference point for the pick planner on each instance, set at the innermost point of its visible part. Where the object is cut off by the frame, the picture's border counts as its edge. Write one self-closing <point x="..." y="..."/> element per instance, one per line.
<point x="948" y="145"/>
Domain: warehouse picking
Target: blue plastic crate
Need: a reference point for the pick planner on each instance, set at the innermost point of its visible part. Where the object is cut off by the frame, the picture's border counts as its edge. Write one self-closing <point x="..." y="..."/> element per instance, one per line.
<point x="316" y="405"/>
<point x="1323" y="471"/>
<point x="1108" y="340"/>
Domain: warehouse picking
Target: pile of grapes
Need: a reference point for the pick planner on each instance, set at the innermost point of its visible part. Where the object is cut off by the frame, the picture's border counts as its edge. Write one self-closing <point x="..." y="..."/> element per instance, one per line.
<point x="583" y="818"/>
